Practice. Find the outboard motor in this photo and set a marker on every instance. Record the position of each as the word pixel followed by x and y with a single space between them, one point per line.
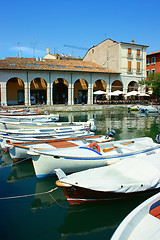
pixel 157 139
pixel 110 133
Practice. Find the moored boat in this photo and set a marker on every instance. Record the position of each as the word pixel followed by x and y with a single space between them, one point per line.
pixel 90 124
pixel 18 150
pixel 142 223
pixel 126 179
pixel 81 157
pixel 29 117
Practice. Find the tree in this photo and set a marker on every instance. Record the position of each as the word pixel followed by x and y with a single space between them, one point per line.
pixel 152 81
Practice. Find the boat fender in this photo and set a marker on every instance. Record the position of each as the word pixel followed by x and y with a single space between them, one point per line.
pixel 94 146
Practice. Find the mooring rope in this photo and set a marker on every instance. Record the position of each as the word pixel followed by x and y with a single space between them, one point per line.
pixel 29 195
pixel 14 163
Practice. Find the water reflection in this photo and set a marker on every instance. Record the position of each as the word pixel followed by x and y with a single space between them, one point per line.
pixel 47 199
pixel 49 215
pixel 21 170
pixel 126 124
pixel 96 219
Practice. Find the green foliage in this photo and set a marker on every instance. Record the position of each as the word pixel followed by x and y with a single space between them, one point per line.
pixel 154 82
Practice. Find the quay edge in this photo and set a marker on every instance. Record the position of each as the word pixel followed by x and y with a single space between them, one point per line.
pixel 68 108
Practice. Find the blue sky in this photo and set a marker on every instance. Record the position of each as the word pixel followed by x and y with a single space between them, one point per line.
pixel 32 26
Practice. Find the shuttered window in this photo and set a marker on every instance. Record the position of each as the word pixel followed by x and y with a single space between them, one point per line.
pixel 138 53
pixel 138 67
pixel 129 66
pixel 129 52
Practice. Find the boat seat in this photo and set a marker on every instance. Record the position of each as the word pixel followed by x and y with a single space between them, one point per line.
pixel 63 144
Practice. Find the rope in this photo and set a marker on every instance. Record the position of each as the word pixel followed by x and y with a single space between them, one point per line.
pixel 12 164
pixel 28 195
pixel 57 202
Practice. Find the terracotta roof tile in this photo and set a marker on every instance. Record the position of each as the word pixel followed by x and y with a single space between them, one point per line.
pixel 52 64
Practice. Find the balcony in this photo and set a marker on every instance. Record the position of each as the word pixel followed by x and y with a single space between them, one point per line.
pixel 139 56
pixel 138 71
pixel 130 71
pixel 130 55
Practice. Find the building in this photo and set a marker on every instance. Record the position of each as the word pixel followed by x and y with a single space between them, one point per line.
pixel 60 79
pixel 153 62
pixel 127 58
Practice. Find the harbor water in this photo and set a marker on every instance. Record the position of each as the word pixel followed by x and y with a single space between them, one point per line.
pixel 35 209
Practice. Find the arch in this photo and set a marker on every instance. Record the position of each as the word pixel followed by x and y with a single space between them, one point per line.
pixel 80 91
pixel 116 85
pixel 38 91
pixel 15 91
pixel 132 86
pixel 99 85
pixel 60 91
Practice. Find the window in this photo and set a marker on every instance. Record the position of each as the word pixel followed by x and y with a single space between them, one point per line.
pixel 28 65
pixel 36 65
pixel 129 53
pixel 147 61
pixel 138 67
pixel 153 71
pixel 92 50
pixel 147 73
pixel 60 65
pixel 129 67
pixel 12 64
pixel 153 60
pixel 51 65
pixel 138 53
pixel 78 66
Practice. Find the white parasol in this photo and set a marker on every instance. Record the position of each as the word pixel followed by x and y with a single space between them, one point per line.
pixel 99 92
pixel 132 93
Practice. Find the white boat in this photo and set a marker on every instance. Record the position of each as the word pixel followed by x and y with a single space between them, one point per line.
pixel 132 177
pixel 142 223
pixel 40 131
pixel 90 124
pixel 18 150
pixel 148 109
pixel 7 140
pixel 27 118
pixel 80 158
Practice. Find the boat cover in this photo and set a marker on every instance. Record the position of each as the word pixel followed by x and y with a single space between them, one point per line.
pixel 130 175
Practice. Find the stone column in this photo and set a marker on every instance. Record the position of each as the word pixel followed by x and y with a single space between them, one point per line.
pixel 27 92
pixel 90 91
pixel 49 91
pixel 3 94
pixel 70 95
pixel 71 92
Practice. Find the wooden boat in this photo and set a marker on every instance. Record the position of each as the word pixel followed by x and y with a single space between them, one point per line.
pixel 22 139
pixel 78 158
pixel 40 132
pixel 134 176
pixel 142 223
pixel 18 150
pixel 90 124
pixel 29 117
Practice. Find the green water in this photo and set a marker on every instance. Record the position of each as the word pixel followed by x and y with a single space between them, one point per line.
pixel 49 216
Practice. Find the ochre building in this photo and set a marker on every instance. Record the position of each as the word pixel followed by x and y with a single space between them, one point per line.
pixel 59 79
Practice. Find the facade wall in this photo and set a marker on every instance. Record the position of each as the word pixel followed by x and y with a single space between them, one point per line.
pixel 113 55
pixel 153 66
pixel 49 77
pixel 105 54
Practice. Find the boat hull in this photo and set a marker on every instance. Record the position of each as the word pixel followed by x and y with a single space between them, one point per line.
pixel 77 195
pixel 44 165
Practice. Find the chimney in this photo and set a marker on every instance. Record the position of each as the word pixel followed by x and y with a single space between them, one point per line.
pixel 132 41
pixel 47 51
